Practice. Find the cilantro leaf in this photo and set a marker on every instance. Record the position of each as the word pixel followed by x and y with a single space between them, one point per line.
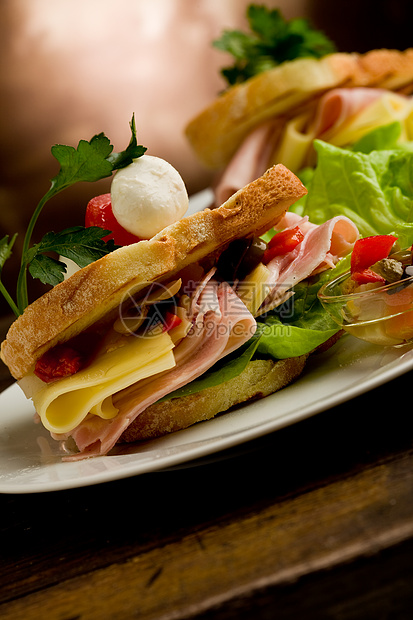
pixel 272 40
pixel 81 245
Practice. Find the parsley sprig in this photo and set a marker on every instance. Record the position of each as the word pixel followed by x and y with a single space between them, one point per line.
pixel 272 40
pixel 90 161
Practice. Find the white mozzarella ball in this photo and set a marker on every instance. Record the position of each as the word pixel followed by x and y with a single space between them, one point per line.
pixel 148 195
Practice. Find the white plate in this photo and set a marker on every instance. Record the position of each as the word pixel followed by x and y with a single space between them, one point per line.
pixel 30 461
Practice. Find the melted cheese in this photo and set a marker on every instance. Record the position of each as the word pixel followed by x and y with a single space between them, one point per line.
pixel 64 404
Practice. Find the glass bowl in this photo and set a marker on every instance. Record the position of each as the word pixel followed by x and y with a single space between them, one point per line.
pixel 381 314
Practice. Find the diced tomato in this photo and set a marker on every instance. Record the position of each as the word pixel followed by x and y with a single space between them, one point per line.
pixel 99 213
pixel 282 242
pixel 170 321
pixel 367 275
pixel 369 250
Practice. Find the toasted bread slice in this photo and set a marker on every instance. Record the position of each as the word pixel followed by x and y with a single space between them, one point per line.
pixel 98 289
pixel 217 131
pixel 259 379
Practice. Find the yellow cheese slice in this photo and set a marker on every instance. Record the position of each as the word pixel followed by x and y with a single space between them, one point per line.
pixel 294 149
pixel 64 404
pixel 408 124
pixel 389 108
pixel 294 145
pixel 255 288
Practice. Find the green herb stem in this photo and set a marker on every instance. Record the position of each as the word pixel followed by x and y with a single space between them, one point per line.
pixel 9 300
pixel 21 290
pixel 91 161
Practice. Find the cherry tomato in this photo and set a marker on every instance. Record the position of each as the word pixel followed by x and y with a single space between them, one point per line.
pixel 283 242
pixel 99 213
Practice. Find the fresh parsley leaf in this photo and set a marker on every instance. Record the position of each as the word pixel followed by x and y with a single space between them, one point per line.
pixel 81 245
pixel 46 269
pixel 91 161
pixel 85 163
pixel 6 249
pixel 133 151
pixel 272 40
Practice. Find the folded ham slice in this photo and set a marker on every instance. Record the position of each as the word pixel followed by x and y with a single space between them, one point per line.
pixel 323 245
pixel 221 323
pixel 252 158
pixel 338 105
pixel 249 162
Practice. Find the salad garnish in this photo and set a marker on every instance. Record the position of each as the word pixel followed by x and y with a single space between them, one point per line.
pixel 91 161
pixel 272 41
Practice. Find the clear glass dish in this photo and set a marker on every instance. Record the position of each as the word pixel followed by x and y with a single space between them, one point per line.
pixel 380 314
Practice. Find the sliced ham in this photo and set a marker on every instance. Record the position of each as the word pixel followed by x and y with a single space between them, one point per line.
pixel 222 323
pixel 323 245
pixel 252 158
pixel 249 162
pixel 340 104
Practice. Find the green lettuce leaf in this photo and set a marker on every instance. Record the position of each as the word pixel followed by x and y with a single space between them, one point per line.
pixel 374 190
pixel 221 372
pixel 281 341
pixel 300 324
pixel 384 138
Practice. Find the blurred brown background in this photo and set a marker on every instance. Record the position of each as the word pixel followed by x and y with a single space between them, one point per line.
pixel 73 68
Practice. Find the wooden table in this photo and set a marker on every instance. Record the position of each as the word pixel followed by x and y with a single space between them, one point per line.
pixel 312 522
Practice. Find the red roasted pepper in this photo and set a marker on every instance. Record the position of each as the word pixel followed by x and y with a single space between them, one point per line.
pixel 367 275
pixel 99 213
pixel 65 360
pixel 61 361
pixel 170 321
pixel 282 242
pixel 367 252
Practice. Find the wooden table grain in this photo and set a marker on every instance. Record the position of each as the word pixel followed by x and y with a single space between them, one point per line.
pixel 314 521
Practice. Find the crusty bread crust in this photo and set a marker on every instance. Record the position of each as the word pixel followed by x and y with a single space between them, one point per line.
pixel 98 289
pixel 383 68
pixel 259 379
pixel 217 131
